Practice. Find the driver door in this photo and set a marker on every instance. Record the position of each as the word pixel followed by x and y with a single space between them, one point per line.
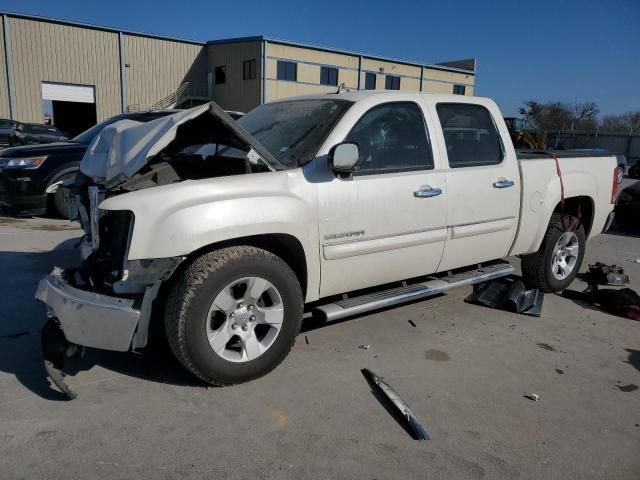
pixel 387 221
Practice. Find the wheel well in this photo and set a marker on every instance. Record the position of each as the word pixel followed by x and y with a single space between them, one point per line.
pixel 582 206
pixel 285 246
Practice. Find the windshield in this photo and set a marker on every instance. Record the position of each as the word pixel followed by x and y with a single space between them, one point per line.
pixel 293 130
pixel 87 136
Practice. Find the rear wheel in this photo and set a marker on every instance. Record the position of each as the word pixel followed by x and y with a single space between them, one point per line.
pixel 234 314
pixel 557 262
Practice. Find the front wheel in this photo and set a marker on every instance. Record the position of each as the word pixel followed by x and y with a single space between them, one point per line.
pixel 233 314
pixel 557 262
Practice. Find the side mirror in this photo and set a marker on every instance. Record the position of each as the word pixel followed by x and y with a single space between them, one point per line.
pixel 344 156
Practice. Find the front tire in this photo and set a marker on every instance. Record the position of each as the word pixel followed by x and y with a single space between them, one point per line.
pixel 233 314
pixel 557 262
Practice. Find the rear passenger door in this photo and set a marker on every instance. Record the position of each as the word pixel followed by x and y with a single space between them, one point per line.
pixel 482 182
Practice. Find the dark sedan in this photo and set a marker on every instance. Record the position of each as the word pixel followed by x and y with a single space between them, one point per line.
pixel 628 207
pixel 29 175
pixel 34 134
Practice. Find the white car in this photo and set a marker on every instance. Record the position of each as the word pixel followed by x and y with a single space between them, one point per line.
pixel 311 200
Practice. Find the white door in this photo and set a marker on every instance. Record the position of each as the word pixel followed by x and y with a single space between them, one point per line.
pixel 68 93
pixel 387 222
pixel 482 185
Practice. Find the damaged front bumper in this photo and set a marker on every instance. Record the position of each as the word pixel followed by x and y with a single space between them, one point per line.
pixel 88 318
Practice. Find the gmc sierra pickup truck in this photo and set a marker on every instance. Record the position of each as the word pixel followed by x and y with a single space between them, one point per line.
pixel 339 203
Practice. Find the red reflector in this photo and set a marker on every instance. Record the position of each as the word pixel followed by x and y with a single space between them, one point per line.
pixel 617 176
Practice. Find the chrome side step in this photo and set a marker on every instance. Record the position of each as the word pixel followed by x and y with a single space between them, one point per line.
pixel 373 301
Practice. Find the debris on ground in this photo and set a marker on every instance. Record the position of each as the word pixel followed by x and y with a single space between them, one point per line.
pixel 364 346
pixel 508 293
pixel 412 424
pixel 602 274
pixel 532 396
pixel 637 260
pixel 623 302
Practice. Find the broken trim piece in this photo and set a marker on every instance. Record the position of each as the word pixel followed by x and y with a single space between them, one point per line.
pixel 417 431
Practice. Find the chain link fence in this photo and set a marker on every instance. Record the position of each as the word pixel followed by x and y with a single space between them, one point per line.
pixel 625 144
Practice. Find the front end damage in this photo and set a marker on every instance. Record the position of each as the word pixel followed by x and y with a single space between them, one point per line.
pixel 106 303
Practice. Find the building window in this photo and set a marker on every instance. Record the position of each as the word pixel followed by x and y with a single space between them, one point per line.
pixel 287 71
pixel 221 75
pixel 328 76
pixel 249 69
pixel 459 89
pixel 391 82
pixel 370 81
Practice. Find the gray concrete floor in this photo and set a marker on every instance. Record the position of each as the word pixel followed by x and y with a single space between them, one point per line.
pixel 463 369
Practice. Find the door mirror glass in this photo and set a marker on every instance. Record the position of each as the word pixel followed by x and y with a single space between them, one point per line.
pixel 344 157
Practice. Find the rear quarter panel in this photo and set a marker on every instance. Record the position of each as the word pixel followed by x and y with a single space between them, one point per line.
pixel 582 176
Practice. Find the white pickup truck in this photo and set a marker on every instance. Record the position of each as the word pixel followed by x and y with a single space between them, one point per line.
pixel 342 202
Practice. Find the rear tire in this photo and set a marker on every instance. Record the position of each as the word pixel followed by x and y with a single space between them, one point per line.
pixel 195 322
pixel 61 199
pixel 554 266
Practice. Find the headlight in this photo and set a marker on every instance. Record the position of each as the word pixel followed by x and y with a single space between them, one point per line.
pixel 26 163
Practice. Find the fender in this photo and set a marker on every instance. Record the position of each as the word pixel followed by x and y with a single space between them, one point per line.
pixel 52 183
pixel 178 219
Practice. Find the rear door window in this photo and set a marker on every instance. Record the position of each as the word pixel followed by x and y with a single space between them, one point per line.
pixel 470 135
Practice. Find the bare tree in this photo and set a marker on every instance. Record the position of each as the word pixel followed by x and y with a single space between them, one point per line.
pixel 559 115
pixel 628 122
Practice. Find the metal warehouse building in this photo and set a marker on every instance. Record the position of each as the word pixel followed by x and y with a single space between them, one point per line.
pixel 74 75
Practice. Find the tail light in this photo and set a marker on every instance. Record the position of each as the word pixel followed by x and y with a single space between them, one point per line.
pixel 618 173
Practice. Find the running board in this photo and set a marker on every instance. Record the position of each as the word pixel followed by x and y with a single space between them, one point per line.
pixel 435 285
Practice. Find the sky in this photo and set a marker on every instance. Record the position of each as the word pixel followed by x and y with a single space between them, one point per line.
pixel 543 50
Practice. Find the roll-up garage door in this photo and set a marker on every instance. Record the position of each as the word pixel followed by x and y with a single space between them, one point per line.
pixel 68 93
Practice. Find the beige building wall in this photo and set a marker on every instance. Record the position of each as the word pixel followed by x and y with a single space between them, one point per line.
pixel 309 63
pixel 50 52
pixel 236 93
pixel 158 67
pixel 4 88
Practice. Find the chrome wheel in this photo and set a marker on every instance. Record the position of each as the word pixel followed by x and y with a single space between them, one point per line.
pixel 565 255
pixel 244 319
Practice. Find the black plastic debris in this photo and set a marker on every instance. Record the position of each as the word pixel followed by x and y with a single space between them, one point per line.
pixel 55 348
pixel 411 423
pixel 508 293
pixel 622 302
pixel 602 274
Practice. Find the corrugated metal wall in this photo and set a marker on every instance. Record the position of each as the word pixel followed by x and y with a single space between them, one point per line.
pixel 158 67
pixel 52 52
pixel 236 93
pixel 4 88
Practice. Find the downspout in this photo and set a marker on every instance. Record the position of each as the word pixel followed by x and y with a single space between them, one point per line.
pixel 123 77
pixel 8 60
pixel 264 72
pixel 359 72
pixel 421 76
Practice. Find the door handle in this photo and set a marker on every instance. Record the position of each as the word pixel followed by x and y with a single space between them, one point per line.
pixel 503 183
pixel 427 192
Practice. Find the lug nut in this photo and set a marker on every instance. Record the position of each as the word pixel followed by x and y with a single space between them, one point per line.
pixel 250 308
pixel 232 314
pixel 252 318
pixel 244 328
pixel 234 326
pixel 240 305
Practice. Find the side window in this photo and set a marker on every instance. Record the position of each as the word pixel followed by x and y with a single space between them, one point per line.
pixel 392 136
pixel 469 134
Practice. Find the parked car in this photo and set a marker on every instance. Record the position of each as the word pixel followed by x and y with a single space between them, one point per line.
pixel 6 129
pixel 35 133
pixel 346 202
pixel 628 207
pixel 30 175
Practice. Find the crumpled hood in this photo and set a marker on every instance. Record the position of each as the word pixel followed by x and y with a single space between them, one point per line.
pixel 124 147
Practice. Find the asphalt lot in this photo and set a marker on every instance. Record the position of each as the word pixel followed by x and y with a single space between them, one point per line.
pixel 463 369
